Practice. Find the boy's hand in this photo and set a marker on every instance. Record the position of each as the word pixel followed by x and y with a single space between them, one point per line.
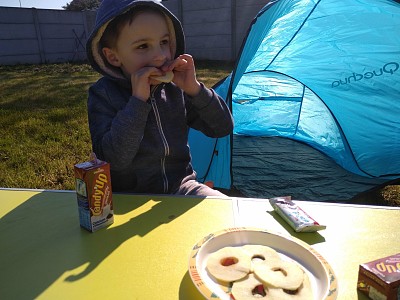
pixel 141 82
pixel 184 74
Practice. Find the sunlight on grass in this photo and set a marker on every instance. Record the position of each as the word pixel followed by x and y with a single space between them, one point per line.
pixel 44 124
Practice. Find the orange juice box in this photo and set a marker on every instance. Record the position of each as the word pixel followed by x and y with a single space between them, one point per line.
pixel 94 194
pixel 380 279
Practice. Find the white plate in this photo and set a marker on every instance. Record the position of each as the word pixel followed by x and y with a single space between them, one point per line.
pixel 322 277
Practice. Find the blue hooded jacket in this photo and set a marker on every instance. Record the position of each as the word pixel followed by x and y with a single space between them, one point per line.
pixel 108 10
pixel 146 143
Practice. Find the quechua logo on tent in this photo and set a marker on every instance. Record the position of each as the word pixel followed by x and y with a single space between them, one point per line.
pixel 388 68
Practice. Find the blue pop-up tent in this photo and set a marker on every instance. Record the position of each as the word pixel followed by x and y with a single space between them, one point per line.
pixel 315 96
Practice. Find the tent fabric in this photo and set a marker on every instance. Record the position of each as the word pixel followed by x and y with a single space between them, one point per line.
pixel 323 73
pixel 276 166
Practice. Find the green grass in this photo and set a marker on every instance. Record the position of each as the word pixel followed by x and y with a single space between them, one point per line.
pixel 44 131
pixel 43 124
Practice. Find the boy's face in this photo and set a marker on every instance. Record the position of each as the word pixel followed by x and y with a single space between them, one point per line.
pixel 143 43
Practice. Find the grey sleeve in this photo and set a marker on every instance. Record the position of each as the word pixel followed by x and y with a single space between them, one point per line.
pixel 208 113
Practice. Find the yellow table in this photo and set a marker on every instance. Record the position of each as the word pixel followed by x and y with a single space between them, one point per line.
pixel 44 254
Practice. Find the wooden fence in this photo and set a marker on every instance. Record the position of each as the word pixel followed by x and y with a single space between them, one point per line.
pixel 214 30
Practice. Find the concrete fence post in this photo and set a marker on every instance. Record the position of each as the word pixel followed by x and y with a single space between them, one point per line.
pixel 233 30
pixel 36 23
pixel 85 28
pixel 85 25
pixel 180 11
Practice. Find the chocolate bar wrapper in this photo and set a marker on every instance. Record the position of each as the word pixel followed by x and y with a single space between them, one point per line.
pixel 294 215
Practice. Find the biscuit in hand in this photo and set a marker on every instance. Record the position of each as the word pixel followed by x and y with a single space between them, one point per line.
pixel 166 78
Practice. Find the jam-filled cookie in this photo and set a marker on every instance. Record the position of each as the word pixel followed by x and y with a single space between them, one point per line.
pixel 229 264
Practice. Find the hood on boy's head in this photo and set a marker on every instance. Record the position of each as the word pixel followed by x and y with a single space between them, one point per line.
pixel 108 10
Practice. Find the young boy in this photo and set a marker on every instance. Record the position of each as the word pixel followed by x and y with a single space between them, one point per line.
pixel 137 123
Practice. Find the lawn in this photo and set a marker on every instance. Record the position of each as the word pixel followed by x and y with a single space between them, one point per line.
pixel 44 130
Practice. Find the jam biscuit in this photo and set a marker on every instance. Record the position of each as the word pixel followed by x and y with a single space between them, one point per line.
pixel 304 292
pixel 250 288
pixel 259 253
pixel 229 264
pixel 167 77
pixel 279 273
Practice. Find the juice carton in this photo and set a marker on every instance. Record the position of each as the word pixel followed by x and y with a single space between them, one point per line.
pixel 380 279
pixel 94 194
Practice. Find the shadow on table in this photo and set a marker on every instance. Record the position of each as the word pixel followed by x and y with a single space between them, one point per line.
pixel 41 239
pixel 310 238
pixel 187 289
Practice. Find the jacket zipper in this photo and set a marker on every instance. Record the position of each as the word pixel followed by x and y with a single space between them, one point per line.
pixel 163 138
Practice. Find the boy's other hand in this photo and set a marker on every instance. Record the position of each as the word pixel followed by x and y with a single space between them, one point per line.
pixel 184 74
pixel 141 82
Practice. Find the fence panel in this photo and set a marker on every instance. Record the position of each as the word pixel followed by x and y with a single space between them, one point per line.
pixel 208 31
pixel 214 30
pixel 34 36
pixel 246 11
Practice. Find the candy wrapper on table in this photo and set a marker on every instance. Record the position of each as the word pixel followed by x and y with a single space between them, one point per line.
pixel 380 279
pixel 294 215
pixel 94 194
